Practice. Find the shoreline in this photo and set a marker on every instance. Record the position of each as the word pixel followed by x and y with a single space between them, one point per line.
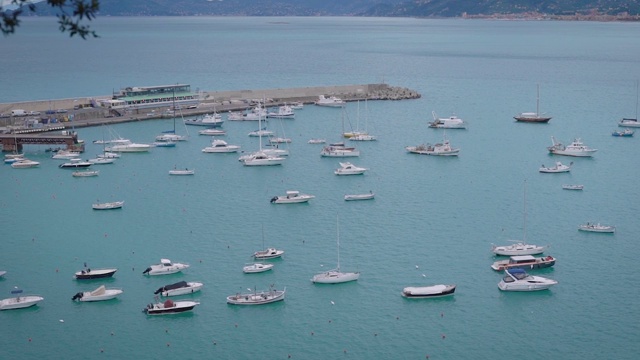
pixel 77 112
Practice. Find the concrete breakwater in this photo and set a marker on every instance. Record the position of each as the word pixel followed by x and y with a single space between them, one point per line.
pixel 79 112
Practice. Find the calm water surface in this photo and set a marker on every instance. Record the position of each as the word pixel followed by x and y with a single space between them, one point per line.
pixel 433 219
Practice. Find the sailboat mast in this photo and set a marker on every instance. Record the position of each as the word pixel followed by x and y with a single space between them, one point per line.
pixel 338 239
pixel 538 101
pixel 524 211
pixel 637 96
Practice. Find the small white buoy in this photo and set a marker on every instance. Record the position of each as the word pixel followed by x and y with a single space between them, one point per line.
pixel 61 320
pixel 423 275
pixel 417 267
pixel 332 303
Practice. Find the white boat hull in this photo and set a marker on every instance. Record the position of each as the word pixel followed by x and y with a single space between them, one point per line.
pixel 335 277
pixel 193 287
pixel 108 295
pixel 355 197
pixel 257 298
pixel 256 268
pixel 20 302
pixel 423 292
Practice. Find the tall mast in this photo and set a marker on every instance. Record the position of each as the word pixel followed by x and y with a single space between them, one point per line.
pixel 524 211
pixel 338 241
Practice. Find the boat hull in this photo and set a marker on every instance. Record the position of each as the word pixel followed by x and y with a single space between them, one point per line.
pixel 20 302
pixel 356 197
pixel 258 298
pixel 428 292
pixel 177 308
pixel 95 274
pixel 108 295
pixel 193 287
pixel 335 277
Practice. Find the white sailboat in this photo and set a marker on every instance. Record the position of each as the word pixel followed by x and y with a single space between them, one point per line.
pixel 520 247
pixel 533 117
pixel 629 122
pixel 170 135
pixel 362 135
pixel 260 158
pixel 335 276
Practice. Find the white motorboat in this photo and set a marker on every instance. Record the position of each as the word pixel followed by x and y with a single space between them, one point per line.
pixel 235 116
pixel 519 280
pixel 363 137
pixel 597 227
pixel 291 197
pixel 108 205
pixel 212 132
pixel 261 133
pixel 439 149
pixel 102 160
pixel 66 155
pixel 86 173
pixel 256 268
pixel 347 168
pixel 165 267
pixel 572 187
pixel 330 101
pixel 179 288
pixel 270 253
pixel 128 146
pixel 557 168
pixel 221 146
pixel 19 302
pixel 452 122
pixel 524 262
pixel 90 274
pixel 210 120
pixel 2 272
pixel 339 150
pixel 182 172
pixel 317 141
pixel 297 105
pixel 283 112
pixel 24 164
pixel 623 133
pixel 279 140
pixel 576 148
pixel 170 307
pixel 428 292
pixel 354 197
pixel 74 163
pixel 99 294
pixel 109 155
pixel 257 297
pixel 533 117
pixel 335 276
pixel 518 248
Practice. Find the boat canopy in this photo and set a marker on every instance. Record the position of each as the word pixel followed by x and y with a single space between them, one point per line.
pixel 516 271
pixel 523 258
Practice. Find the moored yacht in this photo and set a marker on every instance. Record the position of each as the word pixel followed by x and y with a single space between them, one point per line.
pixel 519 280
pixel 576 148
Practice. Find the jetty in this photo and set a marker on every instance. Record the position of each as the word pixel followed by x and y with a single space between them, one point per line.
pixel 46 116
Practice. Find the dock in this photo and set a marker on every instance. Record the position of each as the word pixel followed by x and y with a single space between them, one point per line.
pixel 63 114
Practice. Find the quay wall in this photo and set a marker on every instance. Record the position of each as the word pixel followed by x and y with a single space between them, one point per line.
pixel 220 101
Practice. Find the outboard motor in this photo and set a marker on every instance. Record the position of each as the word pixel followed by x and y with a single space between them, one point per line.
pixel 77 296
pixel 146 271
pixel 273 199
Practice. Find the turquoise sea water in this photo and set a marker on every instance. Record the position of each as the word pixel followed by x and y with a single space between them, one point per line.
pixel 433 219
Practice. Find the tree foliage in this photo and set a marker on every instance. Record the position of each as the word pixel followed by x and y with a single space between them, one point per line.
pixel 70 13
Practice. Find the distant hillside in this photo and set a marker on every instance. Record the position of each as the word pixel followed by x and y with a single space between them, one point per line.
pixel 416 8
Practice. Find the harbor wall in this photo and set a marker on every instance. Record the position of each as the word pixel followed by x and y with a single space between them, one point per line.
pixel 56 112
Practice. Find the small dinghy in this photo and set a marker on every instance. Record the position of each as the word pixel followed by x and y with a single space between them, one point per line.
pixel 428 291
